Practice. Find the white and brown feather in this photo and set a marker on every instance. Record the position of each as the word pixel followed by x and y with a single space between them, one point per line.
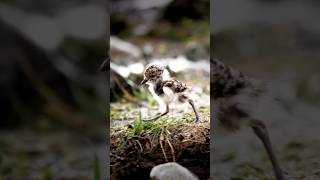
pixel 232 93
pixel 175 85
pixel 166 90
pixel 153 72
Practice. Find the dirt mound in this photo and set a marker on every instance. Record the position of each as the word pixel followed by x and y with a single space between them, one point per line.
pixel 134 154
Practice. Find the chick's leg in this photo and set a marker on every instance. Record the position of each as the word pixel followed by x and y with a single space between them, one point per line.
pixel 158 116
pixel 261 132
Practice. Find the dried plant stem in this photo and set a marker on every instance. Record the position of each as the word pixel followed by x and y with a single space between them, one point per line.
pixel 172 150
pixel 161 138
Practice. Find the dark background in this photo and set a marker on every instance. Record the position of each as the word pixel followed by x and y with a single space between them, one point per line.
pixel 276 42
pixel 53 96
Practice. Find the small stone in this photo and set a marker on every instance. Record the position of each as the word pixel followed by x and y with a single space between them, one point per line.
pixel 171 171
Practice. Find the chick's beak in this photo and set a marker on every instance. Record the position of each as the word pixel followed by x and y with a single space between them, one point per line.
pixel 143 81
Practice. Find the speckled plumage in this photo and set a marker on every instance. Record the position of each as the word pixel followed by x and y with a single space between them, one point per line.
pixel 231 92
pixel 227 84
pixel 164 90
pixel 175 85
pixel 226 81
pixel 153 72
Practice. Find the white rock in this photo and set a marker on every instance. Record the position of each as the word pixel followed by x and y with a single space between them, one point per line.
pixel 171 171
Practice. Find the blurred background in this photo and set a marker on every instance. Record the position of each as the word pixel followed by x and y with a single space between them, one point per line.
pixel 276 42
pixel 53 96
pixel 144 32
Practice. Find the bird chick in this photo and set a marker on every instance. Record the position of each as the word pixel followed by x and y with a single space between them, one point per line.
pixel 232 92
pixel 165 90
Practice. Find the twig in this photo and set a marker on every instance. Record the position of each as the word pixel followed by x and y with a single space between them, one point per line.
pixel 140 145
pixel 172 150
pixel 161 138
pixel 168 132
pixel 116 156
pixel 189 140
